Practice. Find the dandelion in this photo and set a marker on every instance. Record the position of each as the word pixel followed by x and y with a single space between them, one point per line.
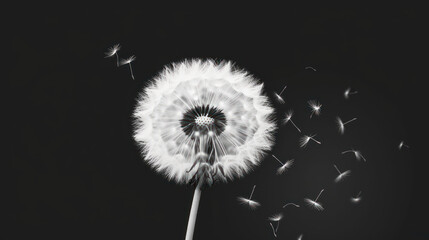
pixel 285 166
pixel 288 118
pixel 201 122
pixel 341 124
pixel 275 218
pixel 113 51
pixel 312 68
pixel 356 199
pixel 402 144
pixel 303 141
pixel 293 204
pixel 348 92
pixel 341 175
pixel 315 107
pixel 279 97
pixel 358 154
pixel 251 203
pixel 129 61
pixel 313 203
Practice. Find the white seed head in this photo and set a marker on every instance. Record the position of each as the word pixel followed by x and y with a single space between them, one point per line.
pixel 214 108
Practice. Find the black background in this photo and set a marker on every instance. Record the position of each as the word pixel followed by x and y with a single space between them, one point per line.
pixel 76 168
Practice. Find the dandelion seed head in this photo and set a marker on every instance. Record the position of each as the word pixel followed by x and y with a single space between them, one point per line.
pixel 347 93
pixel 278 98
pixel 128 60
pixel 112 50
pixel 343 175
pixel 340 125
pixel 285 166
pixel 315 107
pixel 313 204
pixel 250 203
pixel 215 109
pixel 303 141
pixel 402 144
pixel 355 199
pixel 288 116
pixel 276 217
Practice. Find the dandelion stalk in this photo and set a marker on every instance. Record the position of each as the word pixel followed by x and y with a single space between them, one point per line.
pixel 193 214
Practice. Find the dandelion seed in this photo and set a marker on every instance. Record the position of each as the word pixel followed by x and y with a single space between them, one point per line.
pixel 251 203
pixel 279 97
pixel 303 141
pixel 312 68
pixel 348 92
pixel 341 124
pixel 194 124
pixel 285 166
pixel 300 237
pixel 313 203
pixel 113 51
pixel 402 144
pixel 288 118
pixel 358 154
pixel 341 175
pixel 276 218
pixel 129 61
pixel 293 204
pixel 357 198
pixel 315 107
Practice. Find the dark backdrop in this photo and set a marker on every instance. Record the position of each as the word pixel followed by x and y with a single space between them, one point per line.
pixel 75 166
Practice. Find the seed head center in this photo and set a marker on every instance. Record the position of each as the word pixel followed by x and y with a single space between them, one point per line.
pixel 204 121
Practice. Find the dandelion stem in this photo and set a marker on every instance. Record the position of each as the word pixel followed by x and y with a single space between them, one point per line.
pixel 335 166
pixel 299 130
pixel 193 213
pixel 319 195
pixel 277 159
pixel 349 121
pixel 251 194
pixel 131 69
pixel 283 90
pixel 315 140
pixel 117 59
pixel 274 232
pixel 278 224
